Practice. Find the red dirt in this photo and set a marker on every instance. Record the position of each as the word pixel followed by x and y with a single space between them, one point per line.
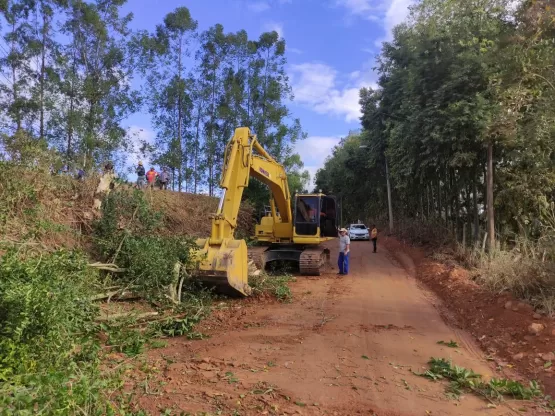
pixel 345 346
pixel 500 327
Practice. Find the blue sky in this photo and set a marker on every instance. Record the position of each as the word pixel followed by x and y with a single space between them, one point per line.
pixel 331 49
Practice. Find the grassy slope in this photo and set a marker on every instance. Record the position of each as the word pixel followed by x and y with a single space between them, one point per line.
pixel 56 211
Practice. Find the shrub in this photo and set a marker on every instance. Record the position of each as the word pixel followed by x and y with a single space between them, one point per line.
pixel 49 353
pixel 276 286
pixel 44 302
pixel 124 213
pixel 511 271
pixel 126 235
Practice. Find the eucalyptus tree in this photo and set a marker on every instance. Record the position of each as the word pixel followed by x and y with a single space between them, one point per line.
pixel 96 73
pixel 165 60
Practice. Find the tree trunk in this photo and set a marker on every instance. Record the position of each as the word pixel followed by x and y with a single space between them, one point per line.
pixel 45 24
pixel 14 83
pixel 439 208
pixel 389 203
pixel 421 205
pixel 491 223
pixel 457 211
pixel 71 117
pixel 179 121
pixel 428 200
pixel 211 136
pixel 262 132
pixel 197 146
pixel 447 200
pixel 476 213
pixel 90 143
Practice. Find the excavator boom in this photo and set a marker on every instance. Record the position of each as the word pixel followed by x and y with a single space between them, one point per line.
pixel 223 260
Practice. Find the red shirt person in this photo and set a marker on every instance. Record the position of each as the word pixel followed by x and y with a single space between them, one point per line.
pixel 151 177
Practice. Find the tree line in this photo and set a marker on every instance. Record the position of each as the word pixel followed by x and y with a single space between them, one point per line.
pixel 461 124
pixel 72 72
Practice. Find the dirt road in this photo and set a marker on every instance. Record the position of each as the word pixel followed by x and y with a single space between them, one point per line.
pixel 345 346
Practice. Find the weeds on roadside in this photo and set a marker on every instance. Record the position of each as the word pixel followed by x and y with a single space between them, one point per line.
pixel 464 380
pixel 277 286
pixel 450 344
pixel 523 275
pixel 49 351
pixel 175 327
pixel 523 264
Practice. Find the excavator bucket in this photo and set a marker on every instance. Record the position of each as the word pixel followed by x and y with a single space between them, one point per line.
pixel 223 266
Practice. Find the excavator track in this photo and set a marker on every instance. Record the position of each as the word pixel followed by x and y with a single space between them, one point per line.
pixel 314 261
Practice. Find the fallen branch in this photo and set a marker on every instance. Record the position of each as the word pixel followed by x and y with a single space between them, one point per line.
pixel 109 267
pixel 184 275
pixel 153 321
pixel 123 295
pixel 115 316
pixel 124 236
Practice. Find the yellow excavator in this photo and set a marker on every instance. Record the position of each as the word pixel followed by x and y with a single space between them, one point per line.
pixel 222 261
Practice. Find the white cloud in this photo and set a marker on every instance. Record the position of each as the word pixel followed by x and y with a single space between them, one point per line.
pixel 274 26
pixel 258 6
pixel 389 12
pixel 313 151
pixel 368 9
pixel 319 87
pixel 397 13
pixel 294 50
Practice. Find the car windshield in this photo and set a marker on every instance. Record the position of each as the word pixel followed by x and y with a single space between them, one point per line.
pixel 358 227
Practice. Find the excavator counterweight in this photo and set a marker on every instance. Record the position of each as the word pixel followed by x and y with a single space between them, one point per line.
pixel 222 261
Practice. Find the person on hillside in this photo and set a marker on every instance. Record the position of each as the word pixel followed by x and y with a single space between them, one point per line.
pixel 141 178
pixel 344 248
pixel 374 237
pixel 151 177
pixel 164 178
pixel 105 185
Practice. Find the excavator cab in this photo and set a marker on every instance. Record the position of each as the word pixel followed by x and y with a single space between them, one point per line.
pixel 315 217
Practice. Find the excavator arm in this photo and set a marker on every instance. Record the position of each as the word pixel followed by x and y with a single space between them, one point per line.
pixel 222 260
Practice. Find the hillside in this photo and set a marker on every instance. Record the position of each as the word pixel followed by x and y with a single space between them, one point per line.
pixel 54 211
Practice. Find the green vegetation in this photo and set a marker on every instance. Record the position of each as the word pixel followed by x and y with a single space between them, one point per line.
pixel 463 380
pixel 49 351
pixel 52 355
pixel 276 286
pixel 457 77
pixel 126 235
pixel 450 344
pixel 95 71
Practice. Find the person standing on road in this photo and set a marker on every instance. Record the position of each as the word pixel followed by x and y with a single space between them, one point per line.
pixel 164 178
pixel 374 237
pixel 140 175
pixel 344 248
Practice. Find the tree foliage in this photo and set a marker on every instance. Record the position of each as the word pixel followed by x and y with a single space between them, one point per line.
pixel 73 72
pixel 456 78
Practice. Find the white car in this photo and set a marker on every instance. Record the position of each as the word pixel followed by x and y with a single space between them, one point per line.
pixel 359 232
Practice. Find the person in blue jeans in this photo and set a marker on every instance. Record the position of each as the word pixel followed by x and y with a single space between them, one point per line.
pixel 344 248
